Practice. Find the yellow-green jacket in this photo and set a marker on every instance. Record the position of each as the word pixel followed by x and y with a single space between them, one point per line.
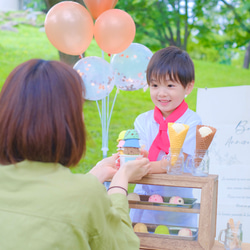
pixel 43 206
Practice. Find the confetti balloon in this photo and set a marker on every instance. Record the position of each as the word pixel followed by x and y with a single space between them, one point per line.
pixel 130 67
pixel 97 75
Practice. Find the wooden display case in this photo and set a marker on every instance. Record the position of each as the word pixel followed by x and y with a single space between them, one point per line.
pixel 207 210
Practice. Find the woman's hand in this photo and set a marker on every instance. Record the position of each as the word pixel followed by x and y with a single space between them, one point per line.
pixel 135 170
pixel 106 168
pixel 128 172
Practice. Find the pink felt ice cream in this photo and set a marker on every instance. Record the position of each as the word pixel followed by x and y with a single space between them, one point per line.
pixel 120 144
pixel 176 200
pixel 185 232
pixel 155 198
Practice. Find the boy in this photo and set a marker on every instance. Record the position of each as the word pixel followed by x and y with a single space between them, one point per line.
pixel 170 76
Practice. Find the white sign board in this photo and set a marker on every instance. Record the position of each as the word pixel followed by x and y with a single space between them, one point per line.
pixel 228 110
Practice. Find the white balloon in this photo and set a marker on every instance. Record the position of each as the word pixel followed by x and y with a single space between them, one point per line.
pixel 97 75
pixel 130 67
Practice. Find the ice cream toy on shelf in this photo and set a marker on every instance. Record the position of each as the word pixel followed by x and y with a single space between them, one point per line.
pixel 176 200
pixel 161 229
pixel 131 146
pixel 133 197
pixel 155 198
pixel 185 232
pixel 121 141
pixel 140 228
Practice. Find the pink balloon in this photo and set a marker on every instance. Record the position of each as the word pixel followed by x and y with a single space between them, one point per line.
pixel 114 31
pixel 69 27
pixel 97 7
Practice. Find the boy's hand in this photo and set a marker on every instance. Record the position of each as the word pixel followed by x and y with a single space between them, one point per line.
pixel 144 152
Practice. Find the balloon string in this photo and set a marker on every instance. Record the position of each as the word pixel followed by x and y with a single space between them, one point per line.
pixel 109 117
pixel 111 111
pixel 108 108
pixel 104 124
pixel 104 129
pixel 105 117
pixel 99 110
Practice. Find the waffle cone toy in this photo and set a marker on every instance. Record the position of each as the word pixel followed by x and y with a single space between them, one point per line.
pixel 204 137
pixel 177 134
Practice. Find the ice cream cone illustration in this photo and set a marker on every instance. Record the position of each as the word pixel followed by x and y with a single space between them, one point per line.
pixel 177 134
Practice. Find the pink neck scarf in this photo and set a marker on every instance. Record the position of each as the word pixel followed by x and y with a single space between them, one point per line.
pixel 161 141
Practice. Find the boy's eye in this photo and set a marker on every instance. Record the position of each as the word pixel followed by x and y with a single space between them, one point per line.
pixel 154 85
pixel 170 85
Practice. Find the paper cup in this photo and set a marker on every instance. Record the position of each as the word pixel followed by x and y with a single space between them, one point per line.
pixel 126 158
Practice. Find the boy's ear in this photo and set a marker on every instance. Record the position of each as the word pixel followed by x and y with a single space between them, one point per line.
pixel 189 88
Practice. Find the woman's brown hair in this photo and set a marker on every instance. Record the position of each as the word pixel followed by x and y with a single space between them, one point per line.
pixel 41 114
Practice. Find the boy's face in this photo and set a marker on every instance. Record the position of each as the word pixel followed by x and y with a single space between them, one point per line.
pixel 167 95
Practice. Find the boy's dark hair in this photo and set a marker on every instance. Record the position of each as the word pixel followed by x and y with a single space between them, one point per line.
pixel 41 114
pixel 173 62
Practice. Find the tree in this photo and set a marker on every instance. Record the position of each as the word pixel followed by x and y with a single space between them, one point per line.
pixel 238 26
pixel 161 23
pixel 229 29
pixel 215 27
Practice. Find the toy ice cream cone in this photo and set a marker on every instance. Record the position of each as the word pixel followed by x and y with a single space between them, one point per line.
pixel 177 135
pixel 121 135
pixel 121 142
pixel 120 146
pixel 204 137
pixel 131 151
pixel 131 145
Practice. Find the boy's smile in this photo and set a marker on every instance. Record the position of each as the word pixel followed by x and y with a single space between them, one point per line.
pixel 167 95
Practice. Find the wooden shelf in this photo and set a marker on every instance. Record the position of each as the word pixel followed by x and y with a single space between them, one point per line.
pixel 195 209
pixel 207 210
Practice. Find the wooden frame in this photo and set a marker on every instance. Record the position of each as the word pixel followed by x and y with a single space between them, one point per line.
pixel 207 210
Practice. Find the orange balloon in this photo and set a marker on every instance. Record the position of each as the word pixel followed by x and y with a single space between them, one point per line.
pixel 69 27
pixel 97 7
pixel 114 3
pixel 114 31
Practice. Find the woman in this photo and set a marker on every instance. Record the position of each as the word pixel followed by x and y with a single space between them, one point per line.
pixel 42 133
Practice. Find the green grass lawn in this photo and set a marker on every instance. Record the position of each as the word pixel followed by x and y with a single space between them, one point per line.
pixel 29 42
